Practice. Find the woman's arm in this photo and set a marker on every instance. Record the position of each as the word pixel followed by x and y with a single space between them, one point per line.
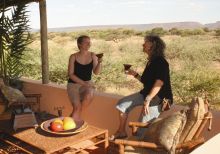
pixel 96 64
pixel 71 74
pixel 155 89
pixel 134 73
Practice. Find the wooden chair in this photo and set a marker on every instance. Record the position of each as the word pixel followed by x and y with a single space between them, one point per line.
pixel 15 97
pixel 186 146
pixel 32 101
pixel 24 120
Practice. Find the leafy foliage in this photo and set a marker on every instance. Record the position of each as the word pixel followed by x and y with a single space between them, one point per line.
pixel 14 42
pixel 4 40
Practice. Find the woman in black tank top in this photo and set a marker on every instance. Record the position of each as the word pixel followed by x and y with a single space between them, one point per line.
pixel 80 69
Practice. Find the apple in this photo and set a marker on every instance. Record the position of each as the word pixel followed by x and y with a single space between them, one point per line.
pixel 56 126
pixel 68 123
pixel 58 120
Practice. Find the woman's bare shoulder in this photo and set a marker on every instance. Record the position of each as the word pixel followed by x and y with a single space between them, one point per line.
pixel 73 56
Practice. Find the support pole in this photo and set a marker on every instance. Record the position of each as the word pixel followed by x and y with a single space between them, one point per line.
pixel 44 41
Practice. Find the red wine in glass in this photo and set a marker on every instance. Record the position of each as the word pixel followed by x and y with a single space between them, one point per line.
pixel 127 66
pixel 100 55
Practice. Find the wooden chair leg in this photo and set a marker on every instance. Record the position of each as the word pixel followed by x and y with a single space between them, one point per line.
pixel 134 130
pixel 106 143
pixel 121 149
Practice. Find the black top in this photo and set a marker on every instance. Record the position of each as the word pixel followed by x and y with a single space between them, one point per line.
pixel 84 72
pixel 158 68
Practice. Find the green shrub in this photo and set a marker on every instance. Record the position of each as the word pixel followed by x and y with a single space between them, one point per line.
pixel 158 31
pixel 217 32
pixel 206 29
pixel 175 31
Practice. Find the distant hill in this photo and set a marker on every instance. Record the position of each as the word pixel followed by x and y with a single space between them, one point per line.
pixel 141 27
pixel 213 25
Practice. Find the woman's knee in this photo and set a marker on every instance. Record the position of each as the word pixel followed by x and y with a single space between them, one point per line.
pixel 122 107
pixel 88 96
pixel 120 102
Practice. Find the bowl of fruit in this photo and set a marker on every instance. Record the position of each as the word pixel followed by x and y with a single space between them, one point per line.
pixel 63 126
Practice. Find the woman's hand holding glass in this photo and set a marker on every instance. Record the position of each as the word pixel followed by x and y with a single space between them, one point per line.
pixel 99 56
pixel 99 60
pixel 130 72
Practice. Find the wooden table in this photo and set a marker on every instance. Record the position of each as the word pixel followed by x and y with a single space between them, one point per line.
pixel 63 144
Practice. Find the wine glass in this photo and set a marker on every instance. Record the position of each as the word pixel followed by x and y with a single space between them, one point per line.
pixel 127 67
pixel 59 110
pixel 99 55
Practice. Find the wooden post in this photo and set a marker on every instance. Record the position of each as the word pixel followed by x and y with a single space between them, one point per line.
pixel 44 43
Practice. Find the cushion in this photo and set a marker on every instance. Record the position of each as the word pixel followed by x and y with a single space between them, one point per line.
pixel 12 95
pixel 195 116
pixel 166 132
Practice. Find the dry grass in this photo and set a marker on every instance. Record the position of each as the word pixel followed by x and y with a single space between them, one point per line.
pixel 192 61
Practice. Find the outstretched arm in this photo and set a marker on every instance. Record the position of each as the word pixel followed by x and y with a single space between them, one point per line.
pixel 134 73
pixel 96 64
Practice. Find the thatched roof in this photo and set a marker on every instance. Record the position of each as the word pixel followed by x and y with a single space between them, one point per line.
pixel 8 3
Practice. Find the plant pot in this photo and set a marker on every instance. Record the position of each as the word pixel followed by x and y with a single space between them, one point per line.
pixel 2 108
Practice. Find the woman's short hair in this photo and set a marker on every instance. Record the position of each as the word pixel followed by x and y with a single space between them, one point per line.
pixel 80 39
pixel 158 46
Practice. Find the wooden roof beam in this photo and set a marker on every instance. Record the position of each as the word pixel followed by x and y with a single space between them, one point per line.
pixel 9 3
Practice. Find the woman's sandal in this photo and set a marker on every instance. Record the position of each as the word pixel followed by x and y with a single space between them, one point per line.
pixel 117 136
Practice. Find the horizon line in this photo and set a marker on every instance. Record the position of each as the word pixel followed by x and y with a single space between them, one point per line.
pixel 129 24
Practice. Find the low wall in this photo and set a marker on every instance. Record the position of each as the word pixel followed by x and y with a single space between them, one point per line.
pixel 101 112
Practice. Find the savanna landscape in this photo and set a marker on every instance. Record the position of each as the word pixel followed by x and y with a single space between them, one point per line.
pixel 193 55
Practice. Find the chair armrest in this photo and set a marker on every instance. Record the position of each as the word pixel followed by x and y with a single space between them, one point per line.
pixel 138 124
pixel 122 143
pixel 138 144
pixel 135 125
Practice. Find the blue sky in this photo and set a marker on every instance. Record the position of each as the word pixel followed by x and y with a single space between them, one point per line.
pixel 66 13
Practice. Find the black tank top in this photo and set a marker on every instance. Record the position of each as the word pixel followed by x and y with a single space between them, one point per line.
pixel 84 72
